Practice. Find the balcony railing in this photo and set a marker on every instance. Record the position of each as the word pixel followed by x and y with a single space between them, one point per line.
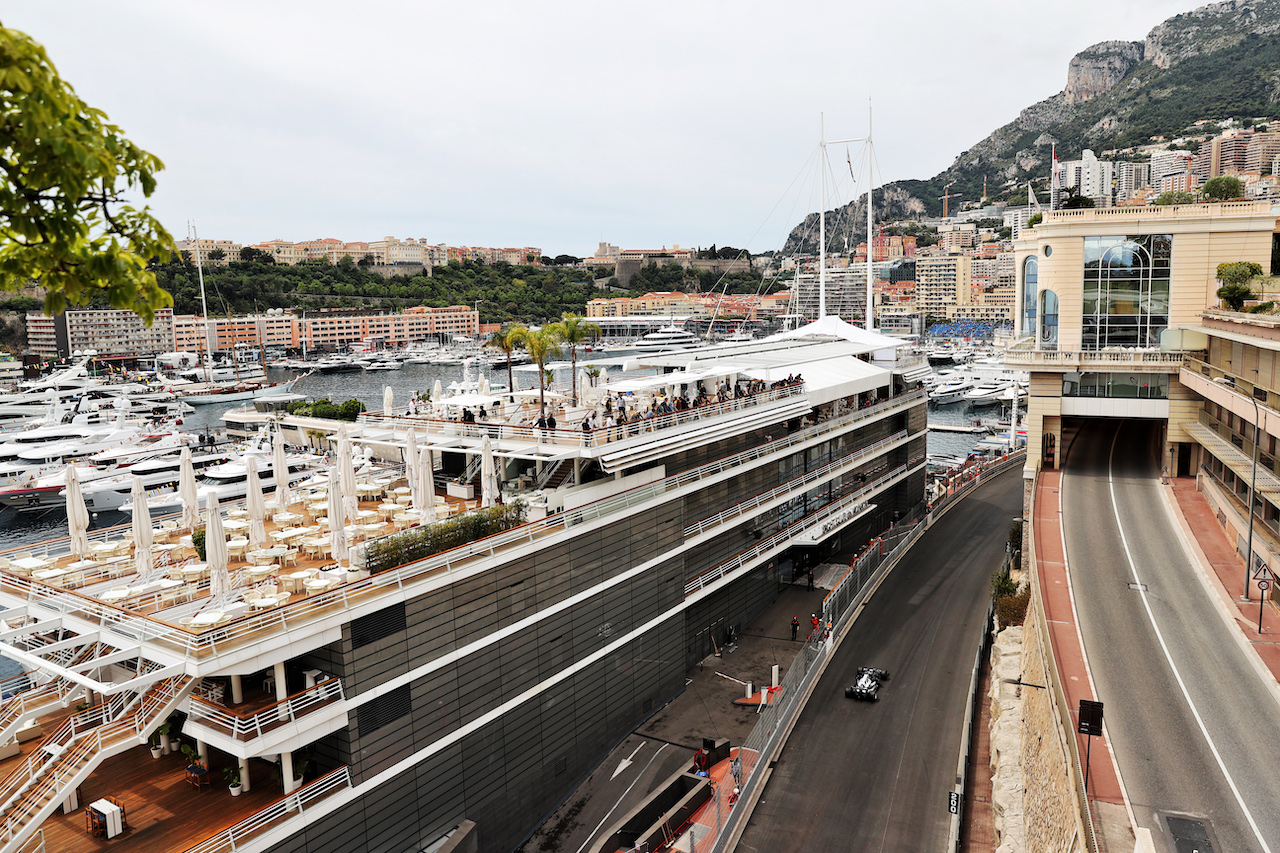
pixel 246 727
pixel 576 437
pixel 292 805
pixel 1138 359
pixel 752 555
pixel 135 627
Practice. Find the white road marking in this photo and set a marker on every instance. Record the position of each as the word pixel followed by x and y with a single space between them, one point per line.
pixel 1195 712
pixel 626 762
pixel 620 799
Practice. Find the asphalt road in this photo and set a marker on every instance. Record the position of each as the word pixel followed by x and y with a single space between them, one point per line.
pixel 875 777
pixel 1167 763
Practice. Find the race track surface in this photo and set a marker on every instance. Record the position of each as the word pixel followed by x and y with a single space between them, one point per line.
pixel 875 776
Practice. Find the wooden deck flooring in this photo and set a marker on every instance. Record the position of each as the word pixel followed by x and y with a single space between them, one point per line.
pixel 164 812
pixel 197 590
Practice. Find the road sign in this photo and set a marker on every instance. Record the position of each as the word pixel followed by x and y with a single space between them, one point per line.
pixel 1090 718
pixel 1263 571
pixel 953 802
pixel 1264 585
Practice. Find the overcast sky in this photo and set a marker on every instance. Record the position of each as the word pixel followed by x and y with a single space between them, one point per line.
pixel 553 124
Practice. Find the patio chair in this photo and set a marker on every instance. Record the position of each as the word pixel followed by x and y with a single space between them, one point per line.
pixel 197 775
pixel 124 814
pixel 95 823
pixel 290 556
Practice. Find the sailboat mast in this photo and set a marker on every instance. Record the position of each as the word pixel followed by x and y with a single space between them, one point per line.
pixel 822 219
pixel 204 305
pixel 870 312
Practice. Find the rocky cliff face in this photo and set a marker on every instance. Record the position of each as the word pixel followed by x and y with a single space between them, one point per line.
pixel 1098 69
pixel 1209 29
pixel 1106 83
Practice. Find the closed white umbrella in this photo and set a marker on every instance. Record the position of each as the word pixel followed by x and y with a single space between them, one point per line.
pixel 388 398
pixel 77 514
pixel 488 474
pixel 141 528
pixel 337 536
pixel 187 491
pixel 426 500
pixel 484 385
pixel 215 548
pixel 280 469
pixel 255 504
pixel 437 391
pixel 411 462
pixel 584 382
pixel 347 477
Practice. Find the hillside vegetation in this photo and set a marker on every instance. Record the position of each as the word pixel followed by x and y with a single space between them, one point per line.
pixel 1217 62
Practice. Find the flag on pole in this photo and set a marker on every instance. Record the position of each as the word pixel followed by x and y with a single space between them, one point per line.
pixel 1055 186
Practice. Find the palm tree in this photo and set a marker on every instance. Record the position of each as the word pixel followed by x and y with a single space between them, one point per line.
pixel 508 341
pixel 573 330
pixel 540 345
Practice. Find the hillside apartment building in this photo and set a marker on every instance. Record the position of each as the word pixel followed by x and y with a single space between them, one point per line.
pixel 1117 319
pixel 122 333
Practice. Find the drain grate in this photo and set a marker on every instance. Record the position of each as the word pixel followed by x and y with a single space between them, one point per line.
pixel 1141 586
pixel 1189 836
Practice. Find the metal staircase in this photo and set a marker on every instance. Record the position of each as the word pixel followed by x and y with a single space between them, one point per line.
pixel 66 758
pixel 42 698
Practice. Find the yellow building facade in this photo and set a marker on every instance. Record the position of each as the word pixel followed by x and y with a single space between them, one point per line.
pixel 1109 306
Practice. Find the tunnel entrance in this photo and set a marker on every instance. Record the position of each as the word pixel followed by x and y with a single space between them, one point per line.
pixel 1086 442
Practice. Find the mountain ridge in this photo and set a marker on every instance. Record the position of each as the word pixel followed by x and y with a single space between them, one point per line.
pixel 1217 61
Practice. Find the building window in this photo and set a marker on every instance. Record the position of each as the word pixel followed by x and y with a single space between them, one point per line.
pixel 1030 286
pixel 1154 386
pixel 1048 320
pixel 1126 290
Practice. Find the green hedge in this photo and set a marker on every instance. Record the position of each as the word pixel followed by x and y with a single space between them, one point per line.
pixel 418 543
pixel 326 408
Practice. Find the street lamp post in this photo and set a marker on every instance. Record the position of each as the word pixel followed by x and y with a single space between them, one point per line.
pixel 1253 481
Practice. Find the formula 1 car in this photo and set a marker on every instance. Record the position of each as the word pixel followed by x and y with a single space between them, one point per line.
pixel 868 684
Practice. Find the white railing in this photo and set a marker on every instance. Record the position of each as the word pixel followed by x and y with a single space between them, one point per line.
pixel 752 554
pixel 137 628
pixel 249 726
pixel 576 437
pixel 743 507
pixel 1124 358
pixel 69 754
pixel 292 805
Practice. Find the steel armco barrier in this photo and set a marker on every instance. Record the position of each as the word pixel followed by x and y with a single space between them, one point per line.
pixel 762 745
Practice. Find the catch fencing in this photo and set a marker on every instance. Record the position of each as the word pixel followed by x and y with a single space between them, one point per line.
pixel 764 744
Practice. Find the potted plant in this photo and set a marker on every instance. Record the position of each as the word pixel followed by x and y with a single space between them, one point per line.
pixel 232 775
pixel 197 542
pixel 157 749
pixel 162 738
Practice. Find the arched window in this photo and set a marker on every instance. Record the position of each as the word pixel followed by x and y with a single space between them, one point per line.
pixel 1126 290
pixel 1030 286
pixel 1048 320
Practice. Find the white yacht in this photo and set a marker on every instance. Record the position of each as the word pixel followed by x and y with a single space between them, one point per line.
pixel 34 453
pixel 105 481
pixel 952 391
pixel 987 392
pixel 666 339
pixel 230 478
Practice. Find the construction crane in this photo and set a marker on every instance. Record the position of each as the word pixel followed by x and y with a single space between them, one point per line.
pixel 946 196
